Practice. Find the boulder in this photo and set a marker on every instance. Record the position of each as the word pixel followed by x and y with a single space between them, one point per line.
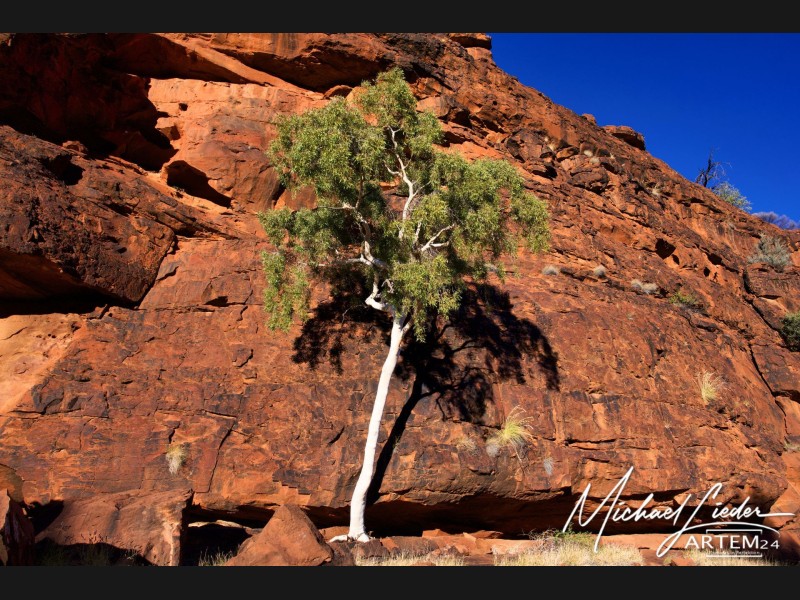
pixel 148 524
pixel 288 539
pixel 627 135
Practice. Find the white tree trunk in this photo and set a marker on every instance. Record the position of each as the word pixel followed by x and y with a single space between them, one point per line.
pixel 359 500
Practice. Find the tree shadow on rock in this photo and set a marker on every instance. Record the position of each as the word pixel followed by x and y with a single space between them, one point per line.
pixel 483 343
pixel 343 319
pixel 461 359
pixel 457 365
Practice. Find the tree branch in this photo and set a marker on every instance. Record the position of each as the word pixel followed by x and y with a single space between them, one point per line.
pixel 373 299
pixel 345 261
pixel 430 242
pixel 407 325
pixel 361 222
pixel 416 233
pixel 375 262
pixel 403 174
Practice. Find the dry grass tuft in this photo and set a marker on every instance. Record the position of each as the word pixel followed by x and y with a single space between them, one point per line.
pixel 514 433
pixel 711 386
pixel 576 550
pixel 466 444
pixel 551 270
pixel 176 456
pixel 791 446
pixel 407 559
pixel 215 560
pixel 645 288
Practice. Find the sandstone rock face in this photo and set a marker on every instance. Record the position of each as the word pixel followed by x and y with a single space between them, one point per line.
pixel 143 206
pixel 75 226
pixel 150 526
pixel 29 346
pixel 288 539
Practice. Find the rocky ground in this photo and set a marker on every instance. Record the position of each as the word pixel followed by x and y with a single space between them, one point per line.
pixel 142 396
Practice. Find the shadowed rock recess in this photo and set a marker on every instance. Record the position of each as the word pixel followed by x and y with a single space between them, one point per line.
pixel 136 364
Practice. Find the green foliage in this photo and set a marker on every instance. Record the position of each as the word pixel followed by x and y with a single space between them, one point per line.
pixel 584 538
pixel 94 555
pixel 791 330
pixel 91 552
pixel 687 299
pixel 773 251
pixel 427 286
pixel 534 217
pixel 732 195
pixel 51 554
pixel 287 291
pixel 333 149
pixel 411 222
pixel 393 106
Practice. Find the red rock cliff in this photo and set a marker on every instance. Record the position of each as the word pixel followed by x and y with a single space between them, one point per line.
pixel 133 167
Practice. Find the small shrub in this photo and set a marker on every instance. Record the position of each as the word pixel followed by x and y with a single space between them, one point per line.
pixel 176 456
pixel 599 271
pixel 515 433
pixel 681 298
pixel 711 386
pixel 645 288
pixel 551 270
pixel 547 463
pixel 791 330
pixel 772 251
pixel 551 536
pixel 732 195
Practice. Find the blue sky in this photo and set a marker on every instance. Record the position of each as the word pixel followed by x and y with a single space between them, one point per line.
pixel 686 93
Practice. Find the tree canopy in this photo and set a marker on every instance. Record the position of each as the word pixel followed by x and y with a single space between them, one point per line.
pixel 414 222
